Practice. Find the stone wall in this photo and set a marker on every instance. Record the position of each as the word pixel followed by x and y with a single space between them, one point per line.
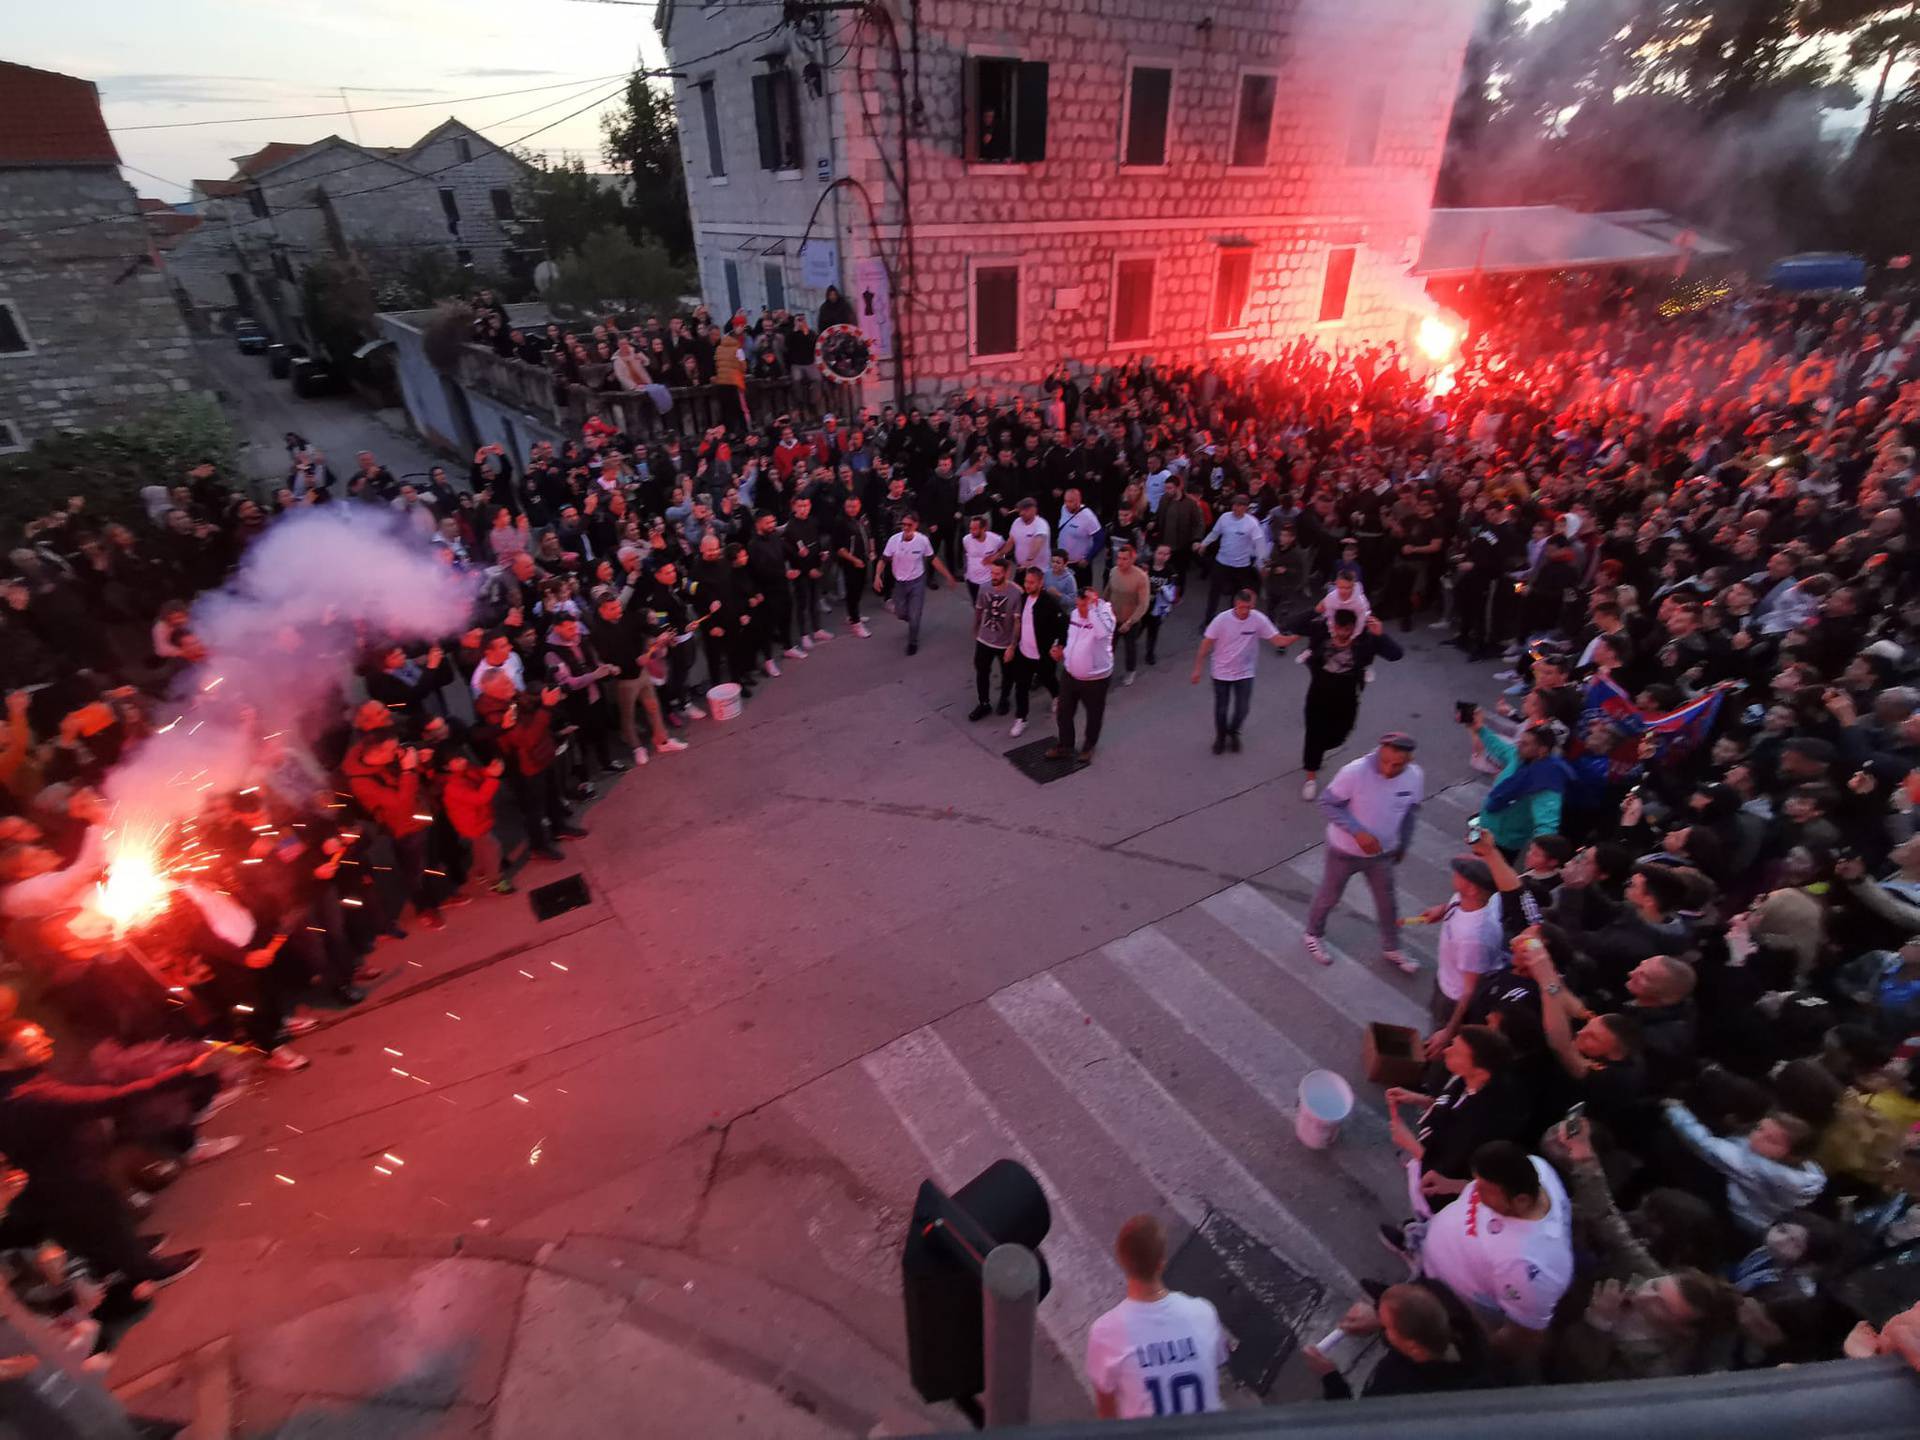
pixel 1065 218
pixel 107 340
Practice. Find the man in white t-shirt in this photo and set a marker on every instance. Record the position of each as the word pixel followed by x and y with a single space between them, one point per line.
pixel 1028 538
pixel 1371 807
pixel 1505 1247
pixel 979 545
pixel 1233 639
pixel 1473 943
pixel 1158 1352
pixel 908 554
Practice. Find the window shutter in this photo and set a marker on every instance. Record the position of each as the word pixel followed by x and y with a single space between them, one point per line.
pixel 969 109
pixel 1030 112
pixel 996 326
pixel 1149 100
pixel 1339 279
pixel 765 122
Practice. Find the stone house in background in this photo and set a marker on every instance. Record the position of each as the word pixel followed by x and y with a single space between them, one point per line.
pixel 1079 180
pixel 286 205
pixel 89 332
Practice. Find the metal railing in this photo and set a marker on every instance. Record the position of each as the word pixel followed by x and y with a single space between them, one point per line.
pixel 696 408
pixel 1853 1398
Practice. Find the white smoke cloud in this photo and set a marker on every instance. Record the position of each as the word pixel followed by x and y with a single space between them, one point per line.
pixel 271 666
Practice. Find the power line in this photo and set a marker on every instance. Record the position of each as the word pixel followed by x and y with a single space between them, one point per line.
pixel 366 109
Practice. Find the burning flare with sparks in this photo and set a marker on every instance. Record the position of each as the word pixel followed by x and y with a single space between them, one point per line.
pixel 137 881
pixel 1437 340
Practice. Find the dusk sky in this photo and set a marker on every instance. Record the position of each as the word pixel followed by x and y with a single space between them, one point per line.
pixel 222 60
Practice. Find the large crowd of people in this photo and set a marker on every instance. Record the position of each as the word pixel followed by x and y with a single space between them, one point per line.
pixel 1690 914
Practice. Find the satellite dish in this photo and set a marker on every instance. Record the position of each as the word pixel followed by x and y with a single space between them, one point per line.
pixel 844 352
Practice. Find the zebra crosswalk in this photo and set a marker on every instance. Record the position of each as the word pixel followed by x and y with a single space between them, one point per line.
pixel 1162 1071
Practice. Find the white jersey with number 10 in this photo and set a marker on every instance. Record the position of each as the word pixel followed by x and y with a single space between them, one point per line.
pixel 1159 1357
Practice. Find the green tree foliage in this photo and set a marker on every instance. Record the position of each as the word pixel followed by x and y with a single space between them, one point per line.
pixel 1714 109
pixel 563 204
pixel 339 302
pixel 611 271
pixel 641 140
pixel 108 467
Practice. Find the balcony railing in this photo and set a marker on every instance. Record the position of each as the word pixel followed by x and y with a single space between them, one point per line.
pixel 696 408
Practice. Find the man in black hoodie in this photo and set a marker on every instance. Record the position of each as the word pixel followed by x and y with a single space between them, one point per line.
pixel 767 564
pixel 719 597
pixel 806 566
pixel 1433 1344
pixel 621 636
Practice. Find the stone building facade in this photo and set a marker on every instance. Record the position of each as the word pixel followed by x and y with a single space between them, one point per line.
pixel 89 331
pixel 1078 180
pixel 452 191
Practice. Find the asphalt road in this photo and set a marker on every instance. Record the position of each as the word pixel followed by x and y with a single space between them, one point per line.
pixel 841 945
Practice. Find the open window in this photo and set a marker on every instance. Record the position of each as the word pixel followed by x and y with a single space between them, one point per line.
pixel 1005 110
pixel 710 122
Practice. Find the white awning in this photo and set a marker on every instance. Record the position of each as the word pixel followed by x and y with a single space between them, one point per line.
pixel 1506 240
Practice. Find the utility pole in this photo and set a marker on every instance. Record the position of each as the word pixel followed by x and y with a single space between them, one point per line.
pixel 353 122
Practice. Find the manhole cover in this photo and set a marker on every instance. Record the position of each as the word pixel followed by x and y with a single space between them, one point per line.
pixel 559 897
pixel 1263 1301
pixel 1031 761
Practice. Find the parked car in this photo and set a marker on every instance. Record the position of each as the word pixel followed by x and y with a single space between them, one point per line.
pixel 250 338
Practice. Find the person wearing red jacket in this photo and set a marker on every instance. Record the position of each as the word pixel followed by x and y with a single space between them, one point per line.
pixel 466 795
pixel 790 452
pixel 384 779
pixel 518 726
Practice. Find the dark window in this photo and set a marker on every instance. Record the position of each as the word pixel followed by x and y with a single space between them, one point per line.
pixel 1230 284
pixel 502 204
pixel 1363 134
pixel 1006 110
pixel 996 310
pixel 463 255
pixel 450 207
pixel 282 266
pixel 257 201
pixel 464 149
pixel 776 287
pixel 10 437
pixel 1132 301
pixel 1253 120
pixel 241 298
pixel 13 335
pixel 710 116
pixel 1149 100
pixel 776 115
pixel 733 287
pixel 1333 290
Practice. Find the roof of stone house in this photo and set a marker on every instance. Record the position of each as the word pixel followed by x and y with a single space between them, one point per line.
pixel 220 189
pixel 47 118
pixel 274 152
pixel 454 122
pixel 168 227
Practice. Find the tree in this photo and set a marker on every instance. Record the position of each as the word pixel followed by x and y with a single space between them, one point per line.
pixel 563 205
pixel 338 296
pixel 612 271
pixel 109 466
pixel 1712 109
pixel 642 142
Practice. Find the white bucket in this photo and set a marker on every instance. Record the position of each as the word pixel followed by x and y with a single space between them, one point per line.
pixel 723 701
pixel 1325 1101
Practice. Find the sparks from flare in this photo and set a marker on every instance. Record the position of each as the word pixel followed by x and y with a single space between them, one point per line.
pixel 138 877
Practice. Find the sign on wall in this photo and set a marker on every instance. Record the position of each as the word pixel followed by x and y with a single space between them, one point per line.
pixel 819 264
pixel 873 305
